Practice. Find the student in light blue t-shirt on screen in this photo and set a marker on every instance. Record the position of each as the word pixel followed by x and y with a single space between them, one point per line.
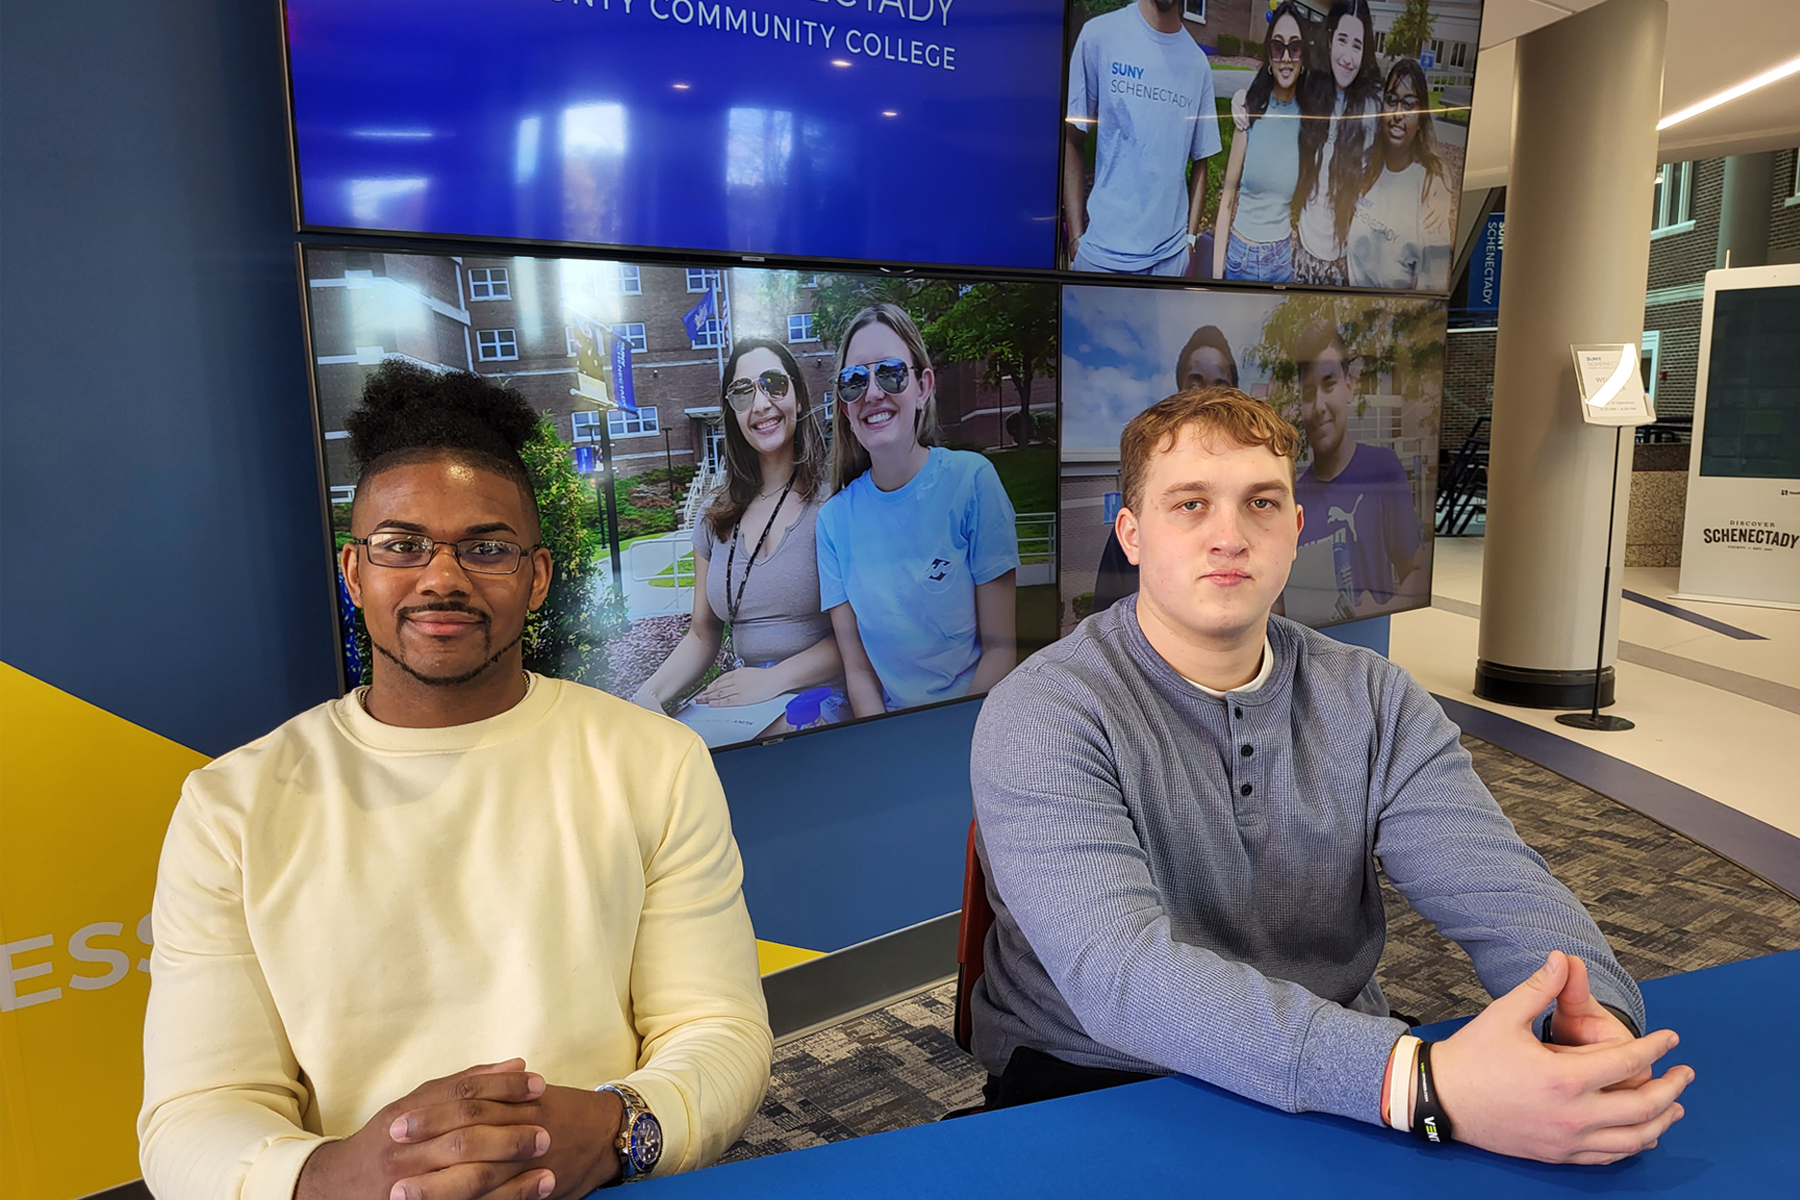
pixel 1142 86
pixel 918 550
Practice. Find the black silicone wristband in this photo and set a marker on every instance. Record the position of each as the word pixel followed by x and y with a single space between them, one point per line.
pixel 1429 1122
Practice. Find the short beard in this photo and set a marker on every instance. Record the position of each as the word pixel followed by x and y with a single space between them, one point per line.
pixel 448 680
pixel 1163 6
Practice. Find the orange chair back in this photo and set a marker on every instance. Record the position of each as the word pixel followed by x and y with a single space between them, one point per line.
pixel 971 938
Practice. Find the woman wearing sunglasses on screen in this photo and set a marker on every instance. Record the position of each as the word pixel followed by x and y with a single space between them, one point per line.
pixel 756 579
pixel 1339 96
pixel 1254 238
pixel 918 549
pixel 1400 231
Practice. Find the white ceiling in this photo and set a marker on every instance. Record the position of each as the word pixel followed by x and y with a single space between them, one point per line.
pixel 1712 45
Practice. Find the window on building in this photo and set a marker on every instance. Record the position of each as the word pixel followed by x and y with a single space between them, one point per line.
pixel 1672 208
pixel 632 332
pixel 622 278
pixel 489 283
pixel 620 423
pixel 1794 198
pixel 809 281
pixel 570 340
pixel 496 345
pixel 1380 41
pixel 712 335
pixel 800 328
pixel 1459 54
pixel 1647 355
pixel 1194 10
pixel 584 426
pixel 698 279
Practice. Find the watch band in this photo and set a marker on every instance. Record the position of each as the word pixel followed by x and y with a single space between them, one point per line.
pixel 639 1144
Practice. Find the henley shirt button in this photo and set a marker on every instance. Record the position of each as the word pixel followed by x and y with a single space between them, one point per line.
pixel 1238 712
pixel 1246 751
pixel 1244 791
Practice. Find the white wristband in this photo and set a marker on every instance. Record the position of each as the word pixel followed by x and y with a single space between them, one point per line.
pixel 1400 1080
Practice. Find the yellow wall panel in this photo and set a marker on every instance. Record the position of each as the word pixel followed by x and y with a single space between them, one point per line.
pixel 85 797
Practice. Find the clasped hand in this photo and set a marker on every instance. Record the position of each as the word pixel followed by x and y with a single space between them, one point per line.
pixel 1589 1098
pixel 492 1132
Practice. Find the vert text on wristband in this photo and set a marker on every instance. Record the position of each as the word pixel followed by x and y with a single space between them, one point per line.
pixel 1429 1121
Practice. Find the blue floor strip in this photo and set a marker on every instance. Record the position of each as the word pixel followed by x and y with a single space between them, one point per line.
pixel 1663 606
pixel 1761 849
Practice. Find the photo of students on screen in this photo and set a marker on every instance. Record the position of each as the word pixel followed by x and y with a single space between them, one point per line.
pixel 918 548
pixel 685 464
pixel 1349 127
pixel 756 573
pixel 1254 236
pixel 1357 498
pixel 1141 91
pixel 1401 229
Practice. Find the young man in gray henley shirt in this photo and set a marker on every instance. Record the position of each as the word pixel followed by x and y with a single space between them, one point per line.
pixel 1181 805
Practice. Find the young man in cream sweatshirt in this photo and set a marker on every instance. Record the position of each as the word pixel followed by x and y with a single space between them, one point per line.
pixel 466 932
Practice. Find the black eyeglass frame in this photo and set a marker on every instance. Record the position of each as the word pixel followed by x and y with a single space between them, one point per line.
pixel 895 366
pixel 457 549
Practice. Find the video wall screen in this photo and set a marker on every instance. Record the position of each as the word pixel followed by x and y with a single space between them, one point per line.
pixel 890 130
pixel 908 561
pixel 1280 142
pixel 1360 376
pixel 1270 141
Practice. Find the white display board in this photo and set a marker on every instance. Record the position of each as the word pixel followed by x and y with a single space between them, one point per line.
pixel 1741 537
pixel 1612 391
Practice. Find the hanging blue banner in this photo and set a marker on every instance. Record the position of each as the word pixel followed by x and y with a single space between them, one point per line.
pixel 623 393
pixel 1484 265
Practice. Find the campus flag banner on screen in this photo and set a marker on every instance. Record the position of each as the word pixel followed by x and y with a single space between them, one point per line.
pixel 814 128
pixel 695 318
pixel 1361 378
pixel 1269 141
pixel 843 374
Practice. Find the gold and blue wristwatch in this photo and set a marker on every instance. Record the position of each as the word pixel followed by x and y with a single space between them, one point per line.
pixel 640 1141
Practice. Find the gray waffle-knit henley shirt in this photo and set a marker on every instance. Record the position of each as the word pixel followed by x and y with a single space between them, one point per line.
pixel 1184 883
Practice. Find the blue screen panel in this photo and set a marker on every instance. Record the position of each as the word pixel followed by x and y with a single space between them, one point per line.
pixel 893 130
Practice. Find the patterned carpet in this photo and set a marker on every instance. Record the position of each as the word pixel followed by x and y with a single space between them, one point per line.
pixel 1667 904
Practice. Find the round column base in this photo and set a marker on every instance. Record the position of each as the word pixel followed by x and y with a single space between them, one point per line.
pixel 1534 687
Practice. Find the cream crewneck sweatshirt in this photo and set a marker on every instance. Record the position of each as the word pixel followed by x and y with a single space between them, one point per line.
pixel 345 909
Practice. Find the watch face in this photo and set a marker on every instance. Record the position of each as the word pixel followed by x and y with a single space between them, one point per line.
pixel 646 1141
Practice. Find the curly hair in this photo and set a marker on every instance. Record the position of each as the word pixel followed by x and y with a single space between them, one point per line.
pixel 413 414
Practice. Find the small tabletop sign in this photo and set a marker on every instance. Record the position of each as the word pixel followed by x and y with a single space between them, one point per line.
pixel 1612 391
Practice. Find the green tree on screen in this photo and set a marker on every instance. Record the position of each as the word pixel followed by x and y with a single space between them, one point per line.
pixel 1011 328
pixel 1410 30
pixel 566 638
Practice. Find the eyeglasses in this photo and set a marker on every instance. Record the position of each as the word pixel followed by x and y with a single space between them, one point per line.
pixel 890 373
pixel 742 392
pixel 1280 48
pixel 1407 103
pixel 479 556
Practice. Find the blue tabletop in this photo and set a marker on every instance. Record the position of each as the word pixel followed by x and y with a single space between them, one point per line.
pixel 1170 1137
